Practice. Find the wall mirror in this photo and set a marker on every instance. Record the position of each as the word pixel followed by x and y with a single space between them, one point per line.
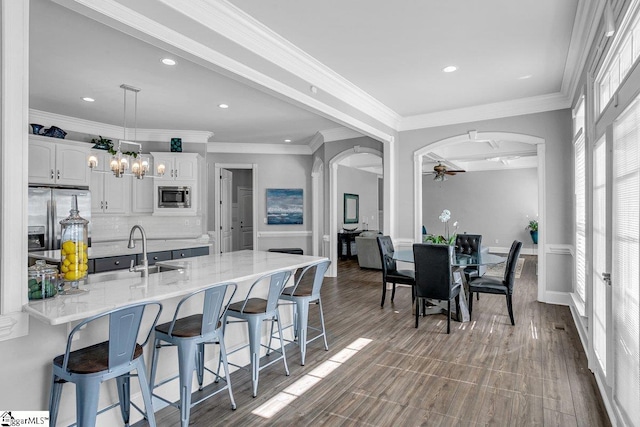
pixel 351 208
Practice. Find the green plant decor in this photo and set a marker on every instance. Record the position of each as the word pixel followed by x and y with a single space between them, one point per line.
pixel 107 144
pixel 533 225
pixel 440 240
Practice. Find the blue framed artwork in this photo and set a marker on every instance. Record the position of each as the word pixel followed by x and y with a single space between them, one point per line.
pixel 284 206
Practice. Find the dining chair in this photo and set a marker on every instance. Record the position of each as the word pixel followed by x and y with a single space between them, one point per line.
pixel 469 244
pixel 189 335
pixel 117 357
pixel 434 277
pixel 305 291
pixel 254 310
pixel 494 285
pixel 390 273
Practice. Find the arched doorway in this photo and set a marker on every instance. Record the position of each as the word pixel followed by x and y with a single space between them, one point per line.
pixel 539 143
pixel 334 222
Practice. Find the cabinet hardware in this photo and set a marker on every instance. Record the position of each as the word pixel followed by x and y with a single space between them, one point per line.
pixel 117 262
pixel 58 174
pixel 607 278
pixel 51 173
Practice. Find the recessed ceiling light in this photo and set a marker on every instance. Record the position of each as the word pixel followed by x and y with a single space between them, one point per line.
pixel 287 140
pixel 223 106
pixel 527 76
pixel 450 69
pixel 87 99
pixel 168 61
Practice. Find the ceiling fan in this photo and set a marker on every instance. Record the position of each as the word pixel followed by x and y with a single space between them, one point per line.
pixel 440 172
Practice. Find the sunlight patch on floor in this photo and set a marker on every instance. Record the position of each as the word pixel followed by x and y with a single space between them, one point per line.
pixel 289 394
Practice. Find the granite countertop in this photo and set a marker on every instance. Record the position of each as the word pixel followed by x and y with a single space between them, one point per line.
pixel 109 249
pixel 195 273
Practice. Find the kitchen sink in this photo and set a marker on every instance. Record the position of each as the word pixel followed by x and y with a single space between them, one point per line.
pixel 123 274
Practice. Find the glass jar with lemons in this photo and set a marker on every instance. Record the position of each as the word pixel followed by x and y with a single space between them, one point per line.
pixel 74 257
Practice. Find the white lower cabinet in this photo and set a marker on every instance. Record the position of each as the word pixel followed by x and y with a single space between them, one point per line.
pixel 109 195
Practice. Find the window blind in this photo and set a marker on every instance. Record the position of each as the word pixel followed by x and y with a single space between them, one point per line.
pixel 600 255
pixel 580 215
pixel 625 272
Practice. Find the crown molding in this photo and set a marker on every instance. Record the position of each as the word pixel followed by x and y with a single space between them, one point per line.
pixel 113 13
pixel 316 142
pixel 585 27
pixel 233 23
pixel 115 132
pixel 517 107
pixel 339 134
pixel 257 148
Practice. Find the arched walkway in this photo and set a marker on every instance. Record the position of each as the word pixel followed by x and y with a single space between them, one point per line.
pixel 503 136
pixel 333 201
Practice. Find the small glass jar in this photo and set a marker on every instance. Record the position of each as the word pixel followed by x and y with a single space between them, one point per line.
pixel 74 246
pixel 43 280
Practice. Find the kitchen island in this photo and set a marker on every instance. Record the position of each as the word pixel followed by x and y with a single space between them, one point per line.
pixel 180 278
pixel 57 315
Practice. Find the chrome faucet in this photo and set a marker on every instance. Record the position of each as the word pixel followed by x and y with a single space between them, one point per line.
pixel 144 266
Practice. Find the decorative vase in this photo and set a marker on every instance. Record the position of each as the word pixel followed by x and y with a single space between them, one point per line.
pixel 36 128
pixel 534 236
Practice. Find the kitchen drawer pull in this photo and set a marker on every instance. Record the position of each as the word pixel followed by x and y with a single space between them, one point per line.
pixel 155 258
pixel 117 262
pixel 182 254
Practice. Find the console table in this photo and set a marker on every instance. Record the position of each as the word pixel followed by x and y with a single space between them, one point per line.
pixel 346 237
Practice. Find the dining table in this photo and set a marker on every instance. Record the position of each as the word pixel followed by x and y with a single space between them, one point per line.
pixel 459 261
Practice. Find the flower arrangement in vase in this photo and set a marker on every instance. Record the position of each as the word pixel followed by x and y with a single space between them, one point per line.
pixel 446 238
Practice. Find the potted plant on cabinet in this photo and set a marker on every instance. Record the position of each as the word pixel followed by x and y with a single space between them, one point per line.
pixel 533 230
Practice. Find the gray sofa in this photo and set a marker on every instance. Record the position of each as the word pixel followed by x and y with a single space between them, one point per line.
pixel 368 251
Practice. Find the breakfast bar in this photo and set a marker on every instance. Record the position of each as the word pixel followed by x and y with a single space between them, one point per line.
pixel 182 277
pixel 174 279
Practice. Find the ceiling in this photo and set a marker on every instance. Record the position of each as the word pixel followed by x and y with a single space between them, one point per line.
pixel 391 54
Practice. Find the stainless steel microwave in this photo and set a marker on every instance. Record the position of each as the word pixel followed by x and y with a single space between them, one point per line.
pixel 174 197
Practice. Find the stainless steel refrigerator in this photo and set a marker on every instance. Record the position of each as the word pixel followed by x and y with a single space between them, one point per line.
pixel 47 207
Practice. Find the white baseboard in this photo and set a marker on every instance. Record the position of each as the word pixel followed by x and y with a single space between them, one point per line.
pixel 558 298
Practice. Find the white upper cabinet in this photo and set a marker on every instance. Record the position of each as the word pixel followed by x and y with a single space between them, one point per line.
pixel 58 162
pixel 142 192
pixel 109 195
pixel 177 166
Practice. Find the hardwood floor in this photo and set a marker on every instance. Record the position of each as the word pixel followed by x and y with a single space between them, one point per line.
pixel 485 372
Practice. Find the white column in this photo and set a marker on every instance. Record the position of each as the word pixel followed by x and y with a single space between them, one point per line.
pixel 14 155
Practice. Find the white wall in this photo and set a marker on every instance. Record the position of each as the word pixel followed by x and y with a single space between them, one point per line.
pixel 555 128
pixel 273 171
pixel 365 185
pixel 494 204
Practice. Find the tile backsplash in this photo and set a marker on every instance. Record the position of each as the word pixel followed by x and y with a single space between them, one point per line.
pixel 108 228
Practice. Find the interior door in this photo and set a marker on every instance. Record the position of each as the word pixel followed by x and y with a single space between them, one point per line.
pixel 601 265
pixel 245 212
pixel 226 236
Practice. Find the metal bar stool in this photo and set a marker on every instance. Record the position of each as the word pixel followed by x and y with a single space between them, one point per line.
pixel 190 334
pixel 254 311
pixel 116 358
pixel 305 291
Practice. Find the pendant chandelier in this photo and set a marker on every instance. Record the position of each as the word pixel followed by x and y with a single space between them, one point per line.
pixel 122 161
